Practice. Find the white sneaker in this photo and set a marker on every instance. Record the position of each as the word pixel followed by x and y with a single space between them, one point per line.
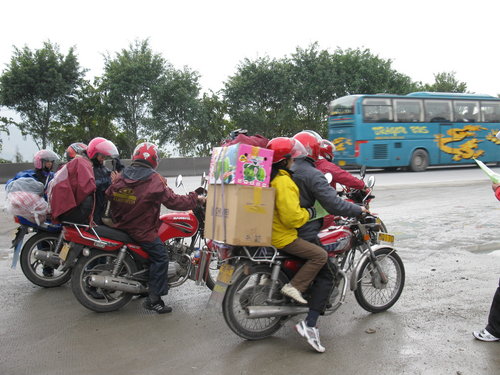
pixel 311 334
pixel 484 335
pixel 290 291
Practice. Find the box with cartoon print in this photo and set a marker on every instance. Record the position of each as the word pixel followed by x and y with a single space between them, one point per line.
pixel 241 164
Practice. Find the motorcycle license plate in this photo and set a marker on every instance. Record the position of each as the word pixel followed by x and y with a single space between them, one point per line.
pixel 64 252
pixel 225 273
pixel 385 237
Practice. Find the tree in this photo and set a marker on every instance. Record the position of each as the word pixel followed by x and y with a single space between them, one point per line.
pixel 446 82
pixel 40 85
pixel 209 127
pixel 89 117
pixel 281 97
pixel 176 108
pixel 260 96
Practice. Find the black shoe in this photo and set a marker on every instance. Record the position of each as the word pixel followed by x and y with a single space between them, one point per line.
pixel 158 306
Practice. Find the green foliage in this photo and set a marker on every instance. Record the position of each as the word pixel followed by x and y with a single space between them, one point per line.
pixel 40 85
pixel 446 82
pixel 281 97
pixel 208 127
pixel 89 117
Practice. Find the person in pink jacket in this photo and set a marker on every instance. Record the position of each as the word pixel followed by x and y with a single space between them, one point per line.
pixel 325 164
pixel 492 330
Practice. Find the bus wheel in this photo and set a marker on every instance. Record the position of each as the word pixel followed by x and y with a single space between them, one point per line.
pixel 419 161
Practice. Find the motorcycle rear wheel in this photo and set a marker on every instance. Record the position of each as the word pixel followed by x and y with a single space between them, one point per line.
pixel 33 268
pixel 252 290
pixel 100 263
pixel 371 294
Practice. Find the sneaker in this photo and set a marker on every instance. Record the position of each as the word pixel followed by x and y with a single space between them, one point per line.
pixel 158 306
pixel 265 280
pixel 484 335
pixel 311 334
pixel 290 291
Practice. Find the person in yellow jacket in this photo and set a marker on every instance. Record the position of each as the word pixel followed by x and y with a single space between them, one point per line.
pixel 288 216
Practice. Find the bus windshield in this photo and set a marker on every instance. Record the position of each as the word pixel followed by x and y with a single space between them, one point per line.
pixel 344 105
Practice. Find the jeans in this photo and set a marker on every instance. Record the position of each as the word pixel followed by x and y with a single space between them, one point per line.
pixel 158 269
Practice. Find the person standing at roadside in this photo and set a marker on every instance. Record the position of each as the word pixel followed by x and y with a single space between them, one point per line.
pixel 492 330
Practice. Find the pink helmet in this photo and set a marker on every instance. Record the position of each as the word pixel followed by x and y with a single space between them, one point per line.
pixel 42 156
pixel 101 146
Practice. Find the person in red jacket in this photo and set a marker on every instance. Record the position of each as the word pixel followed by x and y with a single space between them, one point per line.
pixel 325 164
pixel 72 191
pixel 136 196
pixel 492 330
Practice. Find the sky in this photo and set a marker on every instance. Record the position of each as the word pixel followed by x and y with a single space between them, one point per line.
pixel 212 37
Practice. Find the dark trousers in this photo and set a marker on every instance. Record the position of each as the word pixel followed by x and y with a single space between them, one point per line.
pixel 322 286
pixel 158 268
pixel 493 326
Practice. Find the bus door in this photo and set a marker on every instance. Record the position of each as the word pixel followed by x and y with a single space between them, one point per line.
pixel 445 144
pixel 343 138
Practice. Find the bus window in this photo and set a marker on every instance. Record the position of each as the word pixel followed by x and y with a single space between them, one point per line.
pixel 437 110
pixel 466 111
pixel 343 105
pixel 490 111
pixel 406 110
pixel 377 110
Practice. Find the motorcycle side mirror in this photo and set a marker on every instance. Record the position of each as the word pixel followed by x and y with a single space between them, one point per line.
pixel 329 177
pixel 371 182
pixel 362 171
pixel 178 181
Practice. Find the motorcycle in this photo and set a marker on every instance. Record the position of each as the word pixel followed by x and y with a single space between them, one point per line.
pixel 109 268
pixel 250 278
pixel 357 196
pixel 38 256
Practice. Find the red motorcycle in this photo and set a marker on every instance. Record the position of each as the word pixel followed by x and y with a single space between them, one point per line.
pixel 109 268
pixel 250 278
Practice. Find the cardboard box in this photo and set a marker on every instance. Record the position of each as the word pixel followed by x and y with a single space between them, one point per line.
pixel 241 164
pixel 239 215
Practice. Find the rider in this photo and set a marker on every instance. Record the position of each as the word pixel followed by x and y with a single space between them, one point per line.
pixel 43 162
pixel 102 176
pixel 313 187
pixel 325 164
pixel 74 150
pixel 72 193
pixel 136 196
pixel 288 216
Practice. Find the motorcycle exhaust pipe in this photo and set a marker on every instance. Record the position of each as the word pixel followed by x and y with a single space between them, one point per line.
pixel 119 284
pixel 256 312
pixel 49 258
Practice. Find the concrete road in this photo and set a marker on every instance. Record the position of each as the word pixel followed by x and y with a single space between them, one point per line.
pixel 446 225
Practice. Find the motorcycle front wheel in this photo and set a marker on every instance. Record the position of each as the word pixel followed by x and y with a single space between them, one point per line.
pixel 371 293
pixel 252 289
pixel 35 270
pixel 100 263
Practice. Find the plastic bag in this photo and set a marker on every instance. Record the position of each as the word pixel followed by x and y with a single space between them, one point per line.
pixel 25 198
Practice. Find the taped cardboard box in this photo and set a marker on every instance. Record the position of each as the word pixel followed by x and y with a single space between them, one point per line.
pixel 239 215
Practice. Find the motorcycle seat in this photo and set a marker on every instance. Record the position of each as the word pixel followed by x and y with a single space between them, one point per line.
pixel 113 234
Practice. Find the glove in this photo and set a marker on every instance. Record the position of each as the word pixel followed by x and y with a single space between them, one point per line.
pixel 201 191
pixel 312 212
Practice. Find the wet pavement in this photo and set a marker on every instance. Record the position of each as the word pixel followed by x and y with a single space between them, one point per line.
pixel 446 227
